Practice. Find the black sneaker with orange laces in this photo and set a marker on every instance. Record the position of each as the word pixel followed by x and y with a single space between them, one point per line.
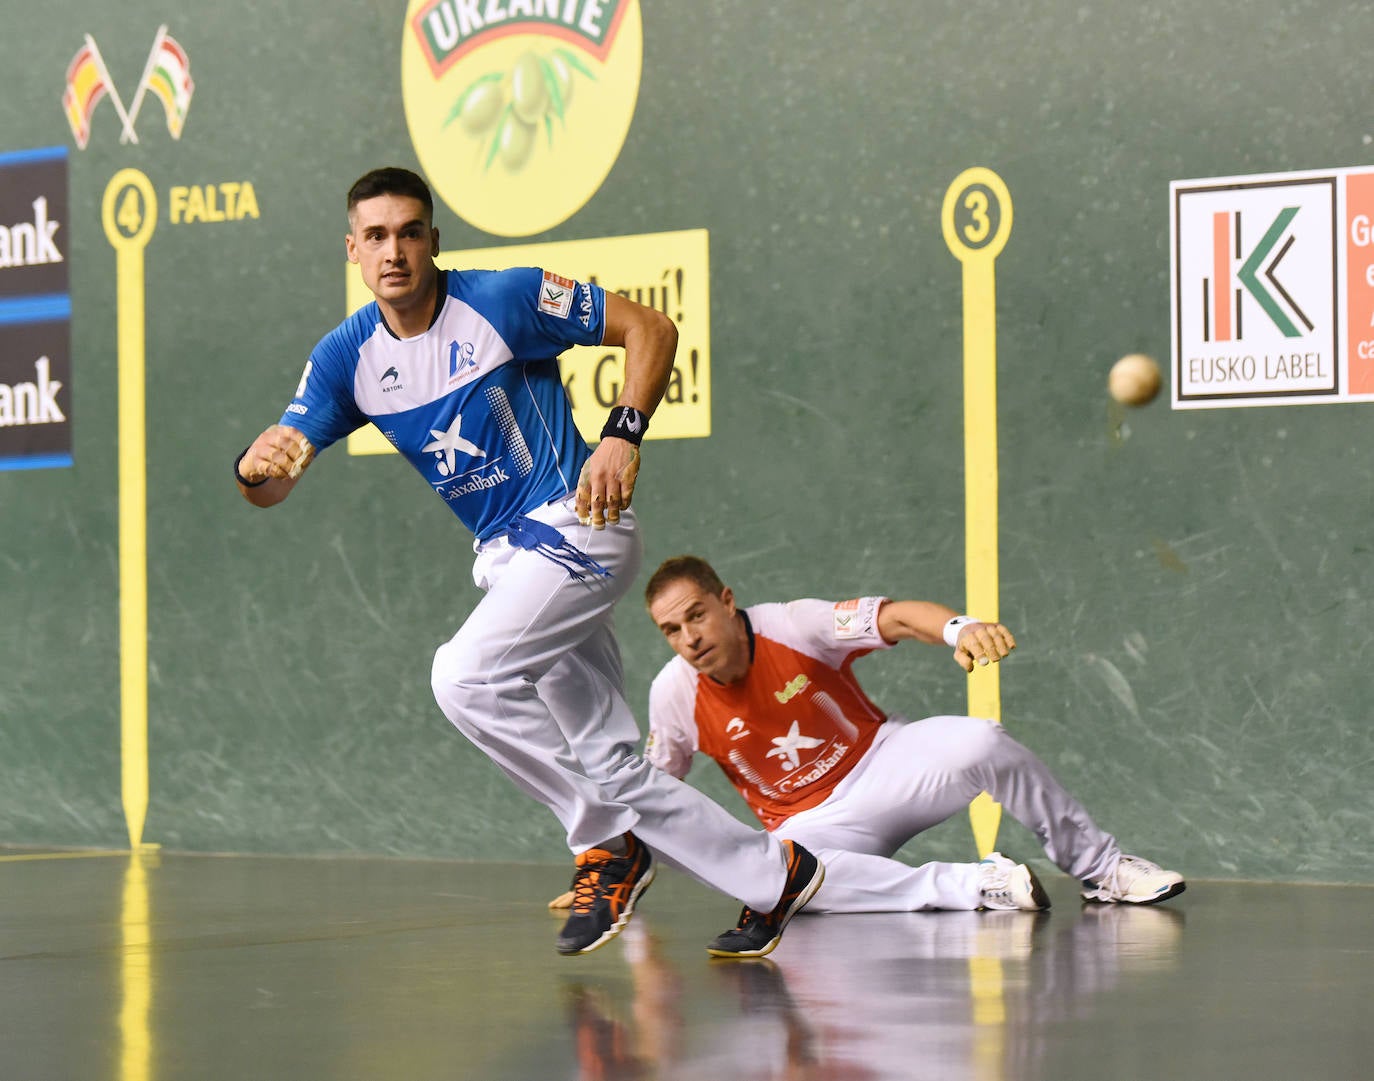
pixel 759 932
pixel 605 888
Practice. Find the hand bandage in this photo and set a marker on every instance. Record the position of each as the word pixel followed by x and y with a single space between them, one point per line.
pixel 304 454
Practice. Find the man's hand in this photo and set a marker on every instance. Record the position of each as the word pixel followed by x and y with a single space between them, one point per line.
pixel 280 453
pixel 982 643
pixel 272 464
pixel 607 483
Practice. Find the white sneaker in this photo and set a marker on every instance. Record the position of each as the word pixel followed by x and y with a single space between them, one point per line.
pixel 1136 882
pixel 1006 885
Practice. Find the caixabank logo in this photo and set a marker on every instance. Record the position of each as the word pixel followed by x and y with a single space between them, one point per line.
pixel 35 311
pixel 518 109
pixel 1256 307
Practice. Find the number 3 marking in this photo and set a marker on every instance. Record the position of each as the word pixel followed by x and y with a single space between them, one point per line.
pixel 977 203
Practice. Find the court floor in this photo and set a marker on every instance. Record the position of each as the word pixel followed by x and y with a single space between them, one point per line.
pixel 163 966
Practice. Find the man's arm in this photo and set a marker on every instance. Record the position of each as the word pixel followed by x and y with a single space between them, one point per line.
pixel 925 621
pixel 269 469
pixel 671 743
pixel 650 341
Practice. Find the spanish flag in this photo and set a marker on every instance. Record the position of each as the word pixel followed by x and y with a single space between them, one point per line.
pixel 87 83
pixel 169 77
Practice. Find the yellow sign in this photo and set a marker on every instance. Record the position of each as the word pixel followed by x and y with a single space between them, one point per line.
pixel 667 271
pixel 517 111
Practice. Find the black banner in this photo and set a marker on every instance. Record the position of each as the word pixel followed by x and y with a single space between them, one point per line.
pixel 35 311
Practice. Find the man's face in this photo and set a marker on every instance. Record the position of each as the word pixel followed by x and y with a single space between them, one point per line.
pixel 703 629
pixel 394 246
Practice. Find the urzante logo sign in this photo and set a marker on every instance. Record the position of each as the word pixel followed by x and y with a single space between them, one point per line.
pixel 1261 282
pixel 517 109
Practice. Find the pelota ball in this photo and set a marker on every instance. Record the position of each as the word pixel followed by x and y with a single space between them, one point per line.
pixel 1134 379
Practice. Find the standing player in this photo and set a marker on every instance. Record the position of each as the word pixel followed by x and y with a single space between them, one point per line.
pixel 459 370
pixel 769 693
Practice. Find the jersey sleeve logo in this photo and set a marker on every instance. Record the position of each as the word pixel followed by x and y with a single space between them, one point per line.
pixel 556 295
pixel 846 615
pixel 586 304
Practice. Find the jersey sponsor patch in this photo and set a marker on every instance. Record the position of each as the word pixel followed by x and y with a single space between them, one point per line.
pixel 556 295
pixel 586 304
pixel 846 616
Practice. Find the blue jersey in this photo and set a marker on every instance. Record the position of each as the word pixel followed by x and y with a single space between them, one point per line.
pixel 475 403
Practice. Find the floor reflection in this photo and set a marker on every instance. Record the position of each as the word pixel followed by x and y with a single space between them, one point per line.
pixel 947 996
pixel 136 974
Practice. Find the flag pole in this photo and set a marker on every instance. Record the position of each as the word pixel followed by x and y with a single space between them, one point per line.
pixel 128 133
pixel 147 71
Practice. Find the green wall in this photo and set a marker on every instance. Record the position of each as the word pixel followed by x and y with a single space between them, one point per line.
pixel 1190 590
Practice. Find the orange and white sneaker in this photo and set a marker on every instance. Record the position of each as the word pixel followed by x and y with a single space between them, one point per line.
pixel 605 888
pixel 759 932
pixel 1136 882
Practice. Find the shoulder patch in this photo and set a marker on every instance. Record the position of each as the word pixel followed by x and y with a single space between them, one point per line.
pixel 556 295
pixel 846 616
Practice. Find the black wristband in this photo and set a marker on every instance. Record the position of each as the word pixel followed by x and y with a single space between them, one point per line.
pixel 239 476
pixel 627 423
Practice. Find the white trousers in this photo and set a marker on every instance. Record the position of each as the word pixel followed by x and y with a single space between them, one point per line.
pixel 916 775
pixel 534 679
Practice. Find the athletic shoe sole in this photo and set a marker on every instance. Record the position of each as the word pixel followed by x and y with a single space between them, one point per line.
pixel 1038 896
pixel 1147 899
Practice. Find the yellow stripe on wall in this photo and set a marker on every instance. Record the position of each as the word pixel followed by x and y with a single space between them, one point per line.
pixel 976 220
pixel 129 215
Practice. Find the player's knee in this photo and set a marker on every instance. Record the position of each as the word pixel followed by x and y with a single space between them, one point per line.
pixel 622 770
pixel 969 742
pixel 455 673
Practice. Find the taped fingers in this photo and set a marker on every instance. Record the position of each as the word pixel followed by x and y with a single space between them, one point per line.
pixel 584 494
pixel 622 488
pixel 596 508
pixel 628 476
pixel 985 643
pixel 304 455
pixel 1001 639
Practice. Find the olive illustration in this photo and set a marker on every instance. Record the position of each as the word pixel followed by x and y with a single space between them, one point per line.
pixel 529 90
pixel 482 107
pixel 507 109
pixel 515 141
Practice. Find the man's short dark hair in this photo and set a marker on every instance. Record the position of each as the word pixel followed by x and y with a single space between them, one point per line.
pixel 683 568
pixel 390 180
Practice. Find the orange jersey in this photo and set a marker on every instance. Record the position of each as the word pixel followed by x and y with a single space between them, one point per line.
pixel 795 725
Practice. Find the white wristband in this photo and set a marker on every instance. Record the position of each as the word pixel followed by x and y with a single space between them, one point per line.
pixel 954 626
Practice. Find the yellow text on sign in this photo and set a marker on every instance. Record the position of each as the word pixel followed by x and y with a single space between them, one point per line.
pixel 667 271
pixel 229 200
